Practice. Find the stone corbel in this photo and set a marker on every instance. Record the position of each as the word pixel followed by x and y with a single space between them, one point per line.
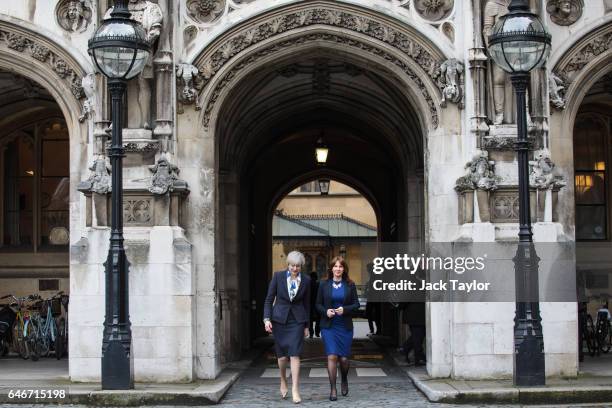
pixel 96 190
pixel 547 181
pixel 165 177
pixel 452 78
pixel 475 189
pixel 544 175
pixel 188 85
pixel 556 91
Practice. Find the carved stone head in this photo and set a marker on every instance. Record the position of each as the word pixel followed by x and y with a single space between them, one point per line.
pixel 73 15
pixel 75 10
pixel 564 12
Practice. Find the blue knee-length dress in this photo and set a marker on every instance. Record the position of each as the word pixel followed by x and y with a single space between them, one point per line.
pixel 337 338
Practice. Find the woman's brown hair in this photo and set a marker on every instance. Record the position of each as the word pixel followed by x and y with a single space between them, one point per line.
pixel 345 271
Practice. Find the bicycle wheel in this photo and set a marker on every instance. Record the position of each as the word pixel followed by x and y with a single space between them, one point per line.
pixel 19 343
pixel 59 339
pixel 32 340
pixel 604 343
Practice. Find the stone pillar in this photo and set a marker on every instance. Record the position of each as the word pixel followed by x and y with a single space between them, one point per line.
pixel 163 65
pixel 477 60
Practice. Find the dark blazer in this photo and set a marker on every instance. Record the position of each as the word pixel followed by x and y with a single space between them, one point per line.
pixel 277 304
pixel 350 304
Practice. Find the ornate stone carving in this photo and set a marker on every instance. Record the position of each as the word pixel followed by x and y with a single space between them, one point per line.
pixel 64 71
pixel 564 12
pixel 40 52
pixel 505 207
pixel 480 175
pixel 407 44
pixel 73 15
pixel 188 83
pixel 503 143
pixel 137 211
pixel 205 11
pixel 493 10
pixel 543 175
pixel 165 177
pixel 433 10
pixel 452 77
pixel 89 105
pixel 227 78
pixel 150 15
pixel 586 51
pixel 100 180
pixel 556 91
pixel 141 147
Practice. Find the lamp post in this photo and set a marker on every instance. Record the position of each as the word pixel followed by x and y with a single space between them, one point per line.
pixel 119 50
pixel 518 44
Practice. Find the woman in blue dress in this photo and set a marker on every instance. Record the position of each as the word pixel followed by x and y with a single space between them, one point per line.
pixel 336 302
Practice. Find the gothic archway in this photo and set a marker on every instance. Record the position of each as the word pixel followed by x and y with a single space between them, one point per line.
pixel 277 80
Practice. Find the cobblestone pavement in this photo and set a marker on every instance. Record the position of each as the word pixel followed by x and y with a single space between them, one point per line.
pixel 394 389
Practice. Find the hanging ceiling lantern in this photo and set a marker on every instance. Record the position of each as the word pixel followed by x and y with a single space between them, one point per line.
pixel 321 152
pixel 324 186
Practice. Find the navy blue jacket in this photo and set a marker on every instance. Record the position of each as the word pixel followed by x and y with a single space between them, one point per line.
pixel 350 304
pixel 277 304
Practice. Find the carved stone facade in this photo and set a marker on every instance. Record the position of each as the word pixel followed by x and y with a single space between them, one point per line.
pixel 564 12
pixel 404 82
pixel 73 15
pixel 434 10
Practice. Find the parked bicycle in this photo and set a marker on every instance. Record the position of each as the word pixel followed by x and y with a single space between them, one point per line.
pixel 7 319
pixel 48 338
pixel 25 330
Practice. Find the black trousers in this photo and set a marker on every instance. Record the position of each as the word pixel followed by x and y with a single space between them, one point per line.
pixel 415 342
pixel 372 316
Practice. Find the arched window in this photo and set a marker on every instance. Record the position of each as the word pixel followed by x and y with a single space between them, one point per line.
pixel 35 187
pixel 591 141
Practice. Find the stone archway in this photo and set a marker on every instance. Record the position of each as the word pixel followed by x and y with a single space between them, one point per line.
pixel 44 60
pixel 402 67
pixel 583 64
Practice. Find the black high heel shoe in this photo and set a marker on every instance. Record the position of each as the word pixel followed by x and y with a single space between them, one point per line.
pixel 333 394
pixel 344 388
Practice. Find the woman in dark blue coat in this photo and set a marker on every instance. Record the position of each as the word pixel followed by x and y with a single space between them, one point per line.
pixel 287 316
pixel 336 302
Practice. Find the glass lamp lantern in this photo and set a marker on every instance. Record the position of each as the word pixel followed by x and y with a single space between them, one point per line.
pixel 324 186
pixel 519 42
pixel 119 48
pixel 321 152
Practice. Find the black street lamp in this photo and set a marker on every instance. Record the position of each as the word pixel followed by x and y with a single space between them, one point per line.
pixel 520 43
pixel 119 50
